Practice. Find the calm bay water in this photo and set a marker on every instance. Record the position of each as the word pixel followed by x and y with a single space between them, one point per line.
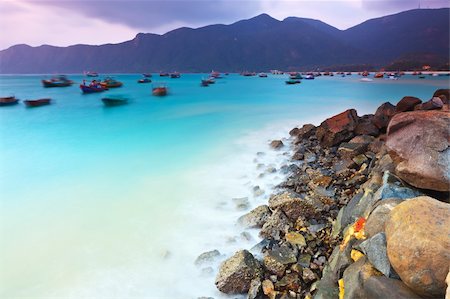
pixel 117 202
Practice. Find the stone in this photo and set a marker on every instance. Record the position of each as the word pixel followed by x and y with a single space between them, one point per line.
pixel 433 104
pixel 443 92
pixel 241 203
pixel 255 291
pixel 338 128
pixel 276 144
pixel 294 132
pixel 355 276
pixel 308 275
pixel 288 282
pixel 407 104
pixel 304 260
pixel 364 139
pixel 296 238
pixel 393 187
pixel 257 191
pixel 310 157
pixel 293 207
pixel 306 131
pixel 350 150
pixel 375 250
pixel 207 257
pixel 268 287
pixel 237 272
pixel 418 244
pixel 381 286
pixel 366 126
pixel 275 226
pixel 418 143
pixel 383 115
pixel 256 217
pixel 279 258
pixel 378 216
pixel 360 159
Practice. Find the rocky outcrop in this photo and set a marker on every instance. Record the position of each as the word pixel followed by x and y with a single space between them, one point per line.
pixel 443 94
pixel 276 144
pixel 407 104
pixel 338 128
pixel 433 104
pixel 418 143
pixel 237 272
pixel 418 244
pixel 383 115
pixel 256 217
pixel 366 126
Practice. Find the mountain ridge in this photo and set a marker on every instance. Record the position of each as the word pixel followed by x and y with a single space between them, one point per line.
pixel 258 43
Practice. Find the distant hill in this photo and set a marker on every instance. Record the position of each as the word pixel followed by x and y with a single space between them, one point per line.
pixel 256 44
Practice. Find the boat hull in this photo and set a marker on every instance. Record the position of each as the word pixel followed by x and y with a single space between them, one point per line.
pixel 8 101
pixel 159 91
pixel 110 102
pixel 48 84
pixel 37 103
pixel 90 89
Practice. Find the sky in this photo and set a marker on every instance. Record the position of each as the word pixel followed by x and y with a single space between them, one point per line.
pixel 68 22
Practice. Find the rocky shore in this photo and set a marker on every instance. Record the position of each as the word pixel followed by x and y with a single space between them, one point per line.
pixel 364 212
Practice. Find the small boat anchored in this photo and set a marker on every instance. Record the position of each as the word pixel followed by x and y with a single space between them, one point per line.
pixel 110 82
pixel 60 81
pixel 8 101
pixel 115 101
pixel 144 80
pixel 159 89
pixel 175 75
pixel 91 74
pixel 37 103
pixel 93 87
pixel 293 81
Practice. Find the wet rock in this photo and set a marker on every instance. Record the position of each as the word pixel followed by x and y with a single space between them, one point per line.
pixel 418 244
pixel 355 276
pixel 271 169
pixel 304 260
pixel 294 132
pixel 241 203
pixel 207 257
pixel 343 165
pixel 377 218
pixel 258 248
pixel 308 275
pixel 255 291
pixel 268 287
pixel 257 191
pixel 360 159
pixel 288 282
pixel 296 238
pixel 393 187
pixel 338 128
pixel 292 207
pixel 433 104
pixel 306 131
pixel 375 250
pixel 276 144
pixel 237 272
pixel 407 104
pixel 380 286
pixel 350 150
pixel 418 143
pixel 383 115
pixel 298 155
pixel 256 217
pixel 366 126
pixel 310 157
pixel 275 226
pixel 444 94
pixel 279 258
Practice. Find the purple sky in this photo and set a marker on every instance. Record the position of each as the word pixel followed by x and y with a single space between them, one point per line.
pixel 67 22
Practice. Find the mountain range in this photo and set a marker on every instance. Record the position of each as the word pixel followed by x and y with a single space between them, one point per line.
pixel 257 44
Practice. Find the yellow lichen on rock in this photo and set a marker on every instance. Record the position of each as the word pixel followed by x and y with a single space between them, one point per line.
pixel 341 288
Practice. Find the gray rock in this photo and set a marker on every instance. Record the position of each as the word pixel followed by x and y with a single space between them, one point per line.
pixel 279 258
pixel 207 257
pixel 276 144
pixel 237 272
pixel 376 252
pixel 393 187
pixel 258 248
pixel 380 286
pixel 255 291
pixel 256 217
pixel 257 191
pixel 378 216
pixel 241 203
pixel 292 206
pixel 310 157
pixel 275 226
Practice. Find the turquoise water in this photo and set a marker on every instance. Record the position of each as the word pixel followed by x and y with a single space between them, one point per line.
pixel 97 201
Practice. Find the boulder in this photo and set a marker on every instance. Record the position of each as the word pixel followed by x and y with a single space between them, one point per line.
pixel 418 244
pixel 350 150
pixel 292 207
pixel 338 128
pixel 256 217
pixel 276 144
pixel 433 104
pixel 381 286
pixel 444 94
pixel 279 258
pixel 366 126
pixel 305 132
pixel 276 226
pixel 407 104
pixel 383 115
pixel 355 276
pixel 418 143
pixel 255 291
pixel 378 216
pixel 375 250
pixel 207 257
pixel 237 272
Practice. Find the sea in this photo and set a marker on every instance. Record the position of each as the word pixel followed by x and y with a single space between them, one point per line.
pixel 118 202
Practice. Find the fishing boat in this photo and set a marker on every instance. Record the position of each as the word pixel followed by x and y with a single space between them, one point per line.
pixel 147 75
pixel 111 83
pixel 115 101
pixel 309 77
pixel 159 89
pixel 293 81
pixel 92 88
pixel 7 101
pixel 421 77
pixel 262 75
pixel 37 103
pixel 144 80
pixel 175 75
pixel 215 75
pixel 378 75
pixel 163 74
pixel 366 80
pixel 295 76
pixel 204 83
pixel 91 74
pixel 60 81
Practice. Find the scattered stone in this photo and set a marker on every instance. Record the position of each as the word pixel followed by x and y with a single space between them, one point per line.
pixel 241 203
pixel 257 191
pixel 275 226
pixel 418 244
pixel 296 238
pixel 360 159
pixel 380 286
pixel 306 131
pixel 256 217
pixel 350 150
pixel 383 115
pixel 355 276
pixel 271 169
pixel 237 272
pixel 418 143
pixel 207 257
pixel 279 258
pixel 288 282
pixel 276 144
pixel 304 260
pixel 366 126
pixel 255 291
pixel 310 157
pixel 308 275
pixel 293 207
pixel 378 216
pixel 338 128
pixel 407 104
pixel 444 94
pixel 375 250
pixel 268 287
pixel 433 104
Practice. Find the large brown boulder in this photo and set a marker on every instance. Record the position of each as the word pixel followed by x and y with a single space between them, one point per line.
pixel 418 244
pixel 338 128
pixel 366 126
pixel 237 272
pixel 383 115
pixel 407 104
pixel 444 94
pixel 418 143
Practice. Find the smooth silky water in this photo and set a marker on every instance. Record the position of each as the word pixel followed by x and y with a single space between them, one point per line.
pixel 117 202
